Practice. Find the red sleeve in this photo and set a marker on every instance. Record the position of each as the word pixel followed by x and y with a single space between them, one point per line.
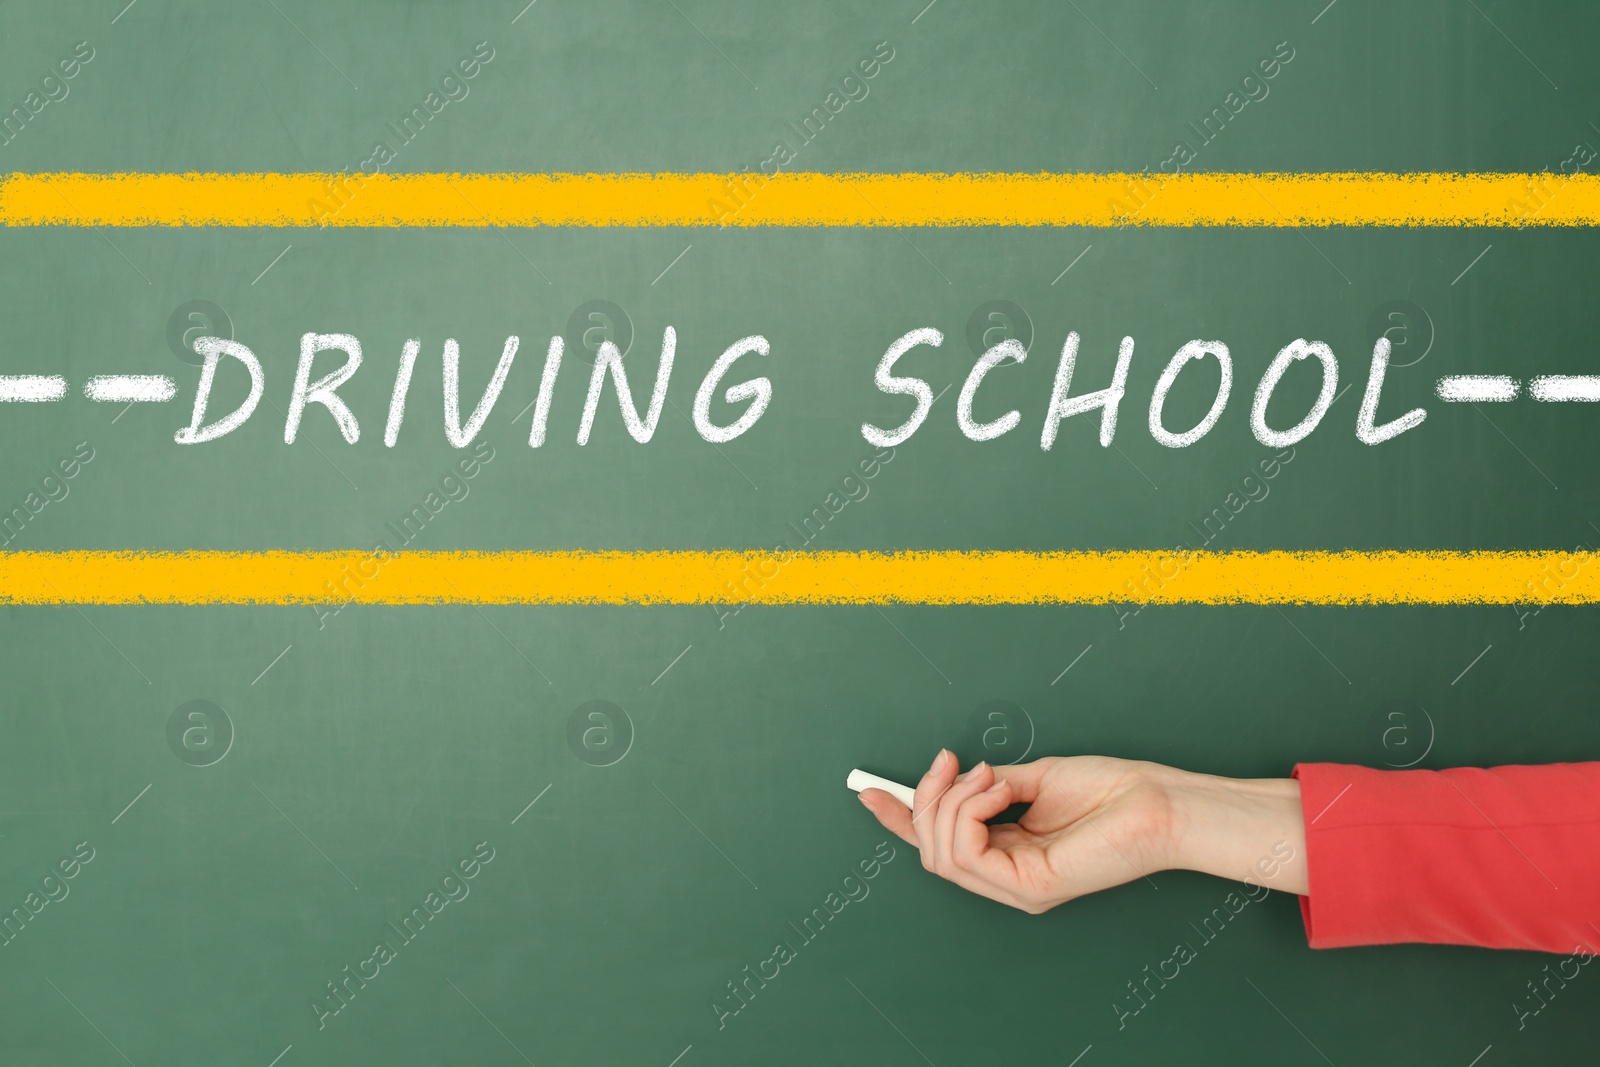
pixel 1505 857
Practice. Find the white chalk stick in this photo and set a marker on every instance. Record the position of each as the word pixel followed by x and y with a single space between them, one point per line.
pixel 860 780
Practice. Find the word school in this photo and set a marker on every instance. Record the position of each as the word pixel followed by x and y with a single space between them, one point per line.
pixel 324 391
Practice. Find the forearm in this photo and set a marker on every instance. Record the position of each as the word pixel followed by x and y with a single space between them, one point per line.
pixel 1240 828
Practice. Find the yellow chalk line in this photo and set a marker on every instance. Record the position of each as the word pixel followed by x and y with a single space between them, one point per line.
pixel 800 199
pixel 729 577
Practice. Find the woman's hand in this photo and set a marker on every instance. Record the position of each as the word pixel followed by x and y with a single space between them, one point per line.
pixel 1095 822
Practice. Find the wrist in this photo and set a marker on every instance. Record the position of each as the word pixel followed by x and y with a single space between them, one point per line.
pixel 1238 828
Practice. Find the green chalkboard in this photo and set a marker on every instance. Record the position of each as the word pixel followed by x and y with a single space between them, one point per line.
pixel 573 827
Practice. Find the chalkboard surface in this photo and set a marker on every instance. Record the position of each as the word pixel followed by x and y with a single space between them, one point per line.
pixel 575 830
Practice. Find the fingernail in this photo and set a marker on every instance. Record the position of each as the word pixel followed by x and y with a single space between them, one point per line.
pixel 941 759
pixel 865 803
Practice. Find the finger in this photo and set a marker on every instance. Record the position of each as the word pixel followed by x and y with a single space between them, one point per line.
pixel 930 790
pixel 952 790
pixel 972 847
pixel 895 816
pixel 975 781
pixel 1027 779
pixel 977 860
